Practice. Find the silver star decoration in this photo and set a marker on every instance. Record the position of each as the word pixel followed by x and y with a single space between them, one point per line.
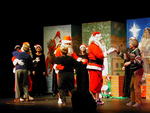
pixel 135 30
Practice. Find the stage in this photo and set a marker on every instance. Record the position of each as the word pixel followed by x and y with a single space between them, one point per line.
pixel 48 104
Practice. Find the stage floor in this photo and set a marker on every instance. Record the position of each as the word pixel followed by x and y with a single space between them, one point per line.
pixel 48 104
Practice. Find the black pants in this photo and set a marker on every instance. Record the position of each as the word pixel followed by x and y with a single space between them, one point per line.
pixel 65 84
pixel 39 84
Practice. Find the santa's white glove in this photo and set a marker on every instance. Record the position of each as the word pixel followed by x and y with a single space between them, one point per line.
pixel 20 62
pixel 79 59
pixel 17 61
pixel 37 59
pixel 105 54
pixel 14 69
pixel 111 50
pixel 56 70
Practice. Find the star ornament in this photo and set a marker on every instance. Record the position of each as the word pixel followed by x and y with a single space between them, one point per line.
pixel 135 30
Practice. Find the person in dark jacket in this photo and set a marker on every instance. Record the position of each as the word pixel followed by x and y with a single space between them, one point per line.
pixel 82 72
pixel 65 65
pixel 127 76
pixel 39 69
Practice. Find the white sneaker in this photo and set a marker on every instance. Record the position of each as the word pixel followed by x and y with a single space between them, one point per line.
pixel 31 98
pixel 59 101
pixel 100 102
pixel 130 103
pixel 136 105
pixel 21 99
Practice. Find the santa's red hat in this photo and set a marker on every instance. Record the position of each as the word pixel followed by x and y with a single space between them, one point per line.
pixel 82 45
pixel 17 47
pixel 95 37
pixel 37 45
pixel 96 34
pixel 67 39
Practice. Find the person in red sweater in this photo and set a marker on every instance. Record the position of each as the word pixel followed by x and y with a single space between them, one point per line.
pixel 95 65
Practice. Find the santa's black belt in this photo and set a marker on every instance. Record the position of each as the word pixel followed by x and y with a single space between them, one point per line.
pixel 97 61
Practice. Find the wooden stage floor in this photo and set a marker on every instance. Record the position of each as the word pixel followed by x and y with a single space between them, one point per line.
pixel 48 104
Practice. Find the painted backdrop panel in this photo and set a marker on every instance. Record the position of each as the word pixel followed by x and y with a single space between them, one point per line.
pixel 50 32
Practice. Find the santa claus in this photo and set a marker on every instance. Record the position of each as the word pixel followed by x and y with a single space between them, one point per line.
pixel 95 66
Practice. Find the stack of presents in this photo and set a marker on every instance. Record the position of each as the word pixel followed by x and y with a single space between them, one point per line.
pixel 115 34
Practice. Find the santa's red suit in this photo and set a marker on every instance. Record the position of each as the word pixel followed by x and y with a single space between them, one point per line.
pixel 95 65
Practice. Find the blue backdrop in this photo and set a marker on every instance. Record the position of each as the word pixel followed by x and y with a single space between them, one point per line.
pixel 135 28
